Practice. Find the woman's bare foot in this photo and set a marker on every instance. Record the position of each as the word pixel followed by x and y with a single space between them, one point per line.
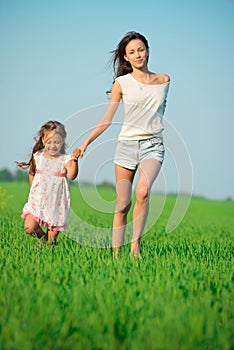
pixel 135 255
pixel 115 253
pixel 135 249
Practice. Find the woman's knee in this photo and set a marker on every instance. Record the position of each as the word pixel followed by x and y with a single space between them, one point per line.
pixel 142 193
pixel 122 206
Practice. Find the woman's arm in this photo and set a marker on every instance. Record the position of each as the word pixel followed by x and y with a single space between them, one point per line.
pixel 106 120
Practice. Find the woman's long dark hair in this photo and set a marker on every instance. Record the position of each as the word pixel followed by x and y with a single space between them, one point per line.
pixel 120 65
pixel 46 128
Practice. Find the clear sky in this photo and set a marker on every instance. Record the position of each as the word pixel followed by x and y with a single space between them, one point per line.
pixel 54 65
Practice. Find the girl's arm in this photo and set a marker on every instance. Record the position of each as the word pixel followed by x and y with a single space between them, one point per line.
pixel 106 120
pixel 31 177
pixel 72 168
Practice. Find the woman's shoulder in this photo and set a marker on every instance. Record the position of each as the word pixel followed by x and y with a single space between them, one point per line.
pixel 121 78
pixel 122 81
pixel 161 78
pixel 166 78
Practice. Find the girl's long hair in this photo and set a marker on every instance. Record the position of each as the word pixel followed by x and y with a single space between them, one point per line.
pixel 38 146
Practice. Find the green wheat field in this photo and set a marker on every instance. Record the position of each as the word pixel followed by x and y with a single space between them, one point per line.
pixel 75 296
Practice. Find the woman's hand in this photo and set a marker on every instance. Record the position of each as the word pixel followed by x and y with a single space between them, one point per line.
pixel 79 152
pixel 76 154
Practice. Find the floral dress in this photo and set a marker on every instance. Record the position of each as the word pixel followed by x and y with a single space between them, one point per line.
pixel 49 197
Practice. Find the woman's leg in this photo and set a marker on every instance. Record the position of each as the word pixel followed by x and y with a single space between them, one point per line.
pixel 148 171
pixel 124 179
pixel 32 227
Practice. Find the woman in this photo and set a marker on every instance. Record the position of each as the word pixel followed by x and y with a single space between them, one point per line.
pixel 140 143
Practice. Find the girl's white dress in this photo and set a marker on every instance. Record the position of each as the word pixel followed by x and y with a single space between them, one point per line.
pixel 49 197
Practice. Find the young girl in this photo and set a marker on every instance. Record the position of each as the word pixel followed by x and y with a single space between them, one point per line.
pixel 140 144
pixel 49 170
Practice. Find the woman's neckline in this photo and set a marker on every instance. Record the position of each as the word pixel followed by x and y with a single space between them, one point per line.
pixel 139 82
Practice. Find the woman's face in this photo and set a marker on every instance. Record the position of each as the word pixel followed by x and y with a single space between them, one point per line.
pixel 136 53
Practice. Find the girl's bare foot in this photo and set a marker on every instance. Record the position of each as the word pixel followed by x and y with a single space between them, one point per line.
pixel 51 237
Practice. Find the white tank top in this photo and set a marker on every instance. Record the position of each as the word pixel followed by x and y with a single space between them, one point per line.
pixel 144 106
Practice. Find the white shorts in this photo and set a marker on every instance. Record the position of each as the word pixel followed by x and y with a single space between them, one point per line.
pixel 129 153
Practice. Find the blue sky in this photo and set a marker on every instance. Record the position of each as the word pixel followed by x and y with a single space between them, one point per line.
pixel 54 65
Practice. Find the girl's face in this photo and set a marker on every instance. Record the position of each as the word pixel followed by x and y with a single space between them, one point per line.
pixel 53 142
pixel 136 53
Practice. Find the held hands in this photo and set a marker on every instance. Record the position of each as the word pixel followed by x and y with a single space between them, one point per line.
pixel 78 152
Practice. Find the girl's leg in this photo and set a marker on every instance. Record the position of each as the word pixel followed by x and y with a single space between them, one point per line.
pixel 52 236
pixel 32 227
pixel 148 171
pixel 124 179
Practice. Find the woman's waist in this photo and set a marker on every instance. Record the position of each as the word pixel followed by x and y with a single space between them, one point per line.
pixel 140 137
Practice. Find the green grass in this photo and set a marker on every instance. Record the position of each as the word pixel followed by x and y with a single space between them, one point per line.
pixel 73 296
